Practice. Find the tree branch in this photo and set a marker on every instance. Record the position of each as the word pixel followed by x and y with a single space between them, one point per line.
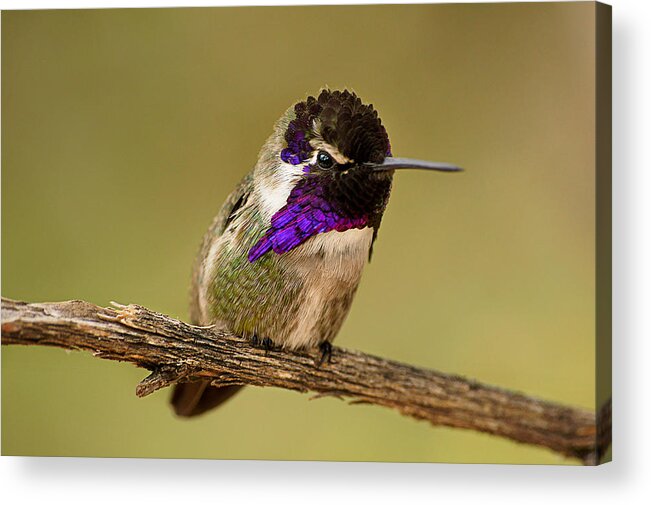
pixel 176 352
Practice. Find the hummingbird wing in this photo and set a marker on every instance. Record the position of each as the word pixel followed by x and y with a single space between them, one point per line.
pixel 233 203
pixel 370 249
pixel 194 398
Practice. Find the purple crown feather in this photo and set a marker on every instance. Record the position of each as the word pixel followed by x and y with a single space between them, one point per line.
pixel 307 213
pixel 298 146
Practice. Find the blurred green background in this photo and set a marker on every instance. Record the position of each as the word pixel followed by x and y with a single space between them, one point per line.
pixel 124 130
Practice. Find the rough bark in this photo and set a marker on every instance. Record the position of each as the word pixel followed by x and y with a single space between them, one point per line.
pixel 175 351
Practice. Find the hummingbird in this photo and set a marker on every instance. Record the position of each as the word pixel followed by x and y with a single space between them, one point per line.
pixel 282 260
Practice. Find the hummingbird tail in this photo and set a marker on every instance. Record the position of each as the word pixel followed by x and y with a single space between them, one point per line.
pixel 193 398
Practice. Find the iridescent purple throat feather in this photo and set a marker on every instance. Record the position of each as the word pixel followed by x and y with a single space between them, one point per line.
pixel 307 213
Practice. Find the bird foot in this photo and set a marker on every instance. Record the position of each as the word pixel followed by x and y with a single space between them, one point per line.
pixel 266 343
pixel 326 352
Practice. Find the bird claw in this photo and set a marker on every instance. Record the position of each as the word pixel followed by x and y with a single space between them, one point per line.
pixel 326 352
pixel 266 343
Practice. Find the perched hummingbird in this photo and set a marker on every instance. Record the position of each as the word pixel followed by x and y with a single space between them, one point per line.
pixel 282 260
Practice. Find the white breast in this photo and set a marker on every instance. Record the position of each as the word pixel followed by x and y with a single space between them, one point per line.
pixel 330 265
pixel 354 242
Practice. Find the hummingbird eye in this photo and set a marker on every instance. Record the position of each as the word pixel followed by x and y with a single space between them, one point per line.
pixel 324 160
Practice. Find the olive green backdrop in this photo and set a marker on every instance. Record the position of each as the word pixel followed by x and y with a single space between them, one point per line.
pixel 124 130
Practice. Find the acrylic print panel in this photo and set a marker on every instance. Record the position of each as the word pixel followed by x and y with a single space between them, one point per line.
pixel 125 130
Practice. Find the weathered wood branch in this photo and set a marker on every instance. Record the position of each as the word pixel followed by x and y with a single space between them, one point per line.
pixel 174 351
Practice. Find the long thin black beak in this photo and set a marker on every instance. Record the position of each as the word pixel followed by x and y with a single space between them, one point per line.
pixel 391 163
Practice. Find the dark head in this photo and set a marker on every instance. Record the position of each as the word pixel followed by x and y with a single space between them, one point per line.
pixel 328 166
